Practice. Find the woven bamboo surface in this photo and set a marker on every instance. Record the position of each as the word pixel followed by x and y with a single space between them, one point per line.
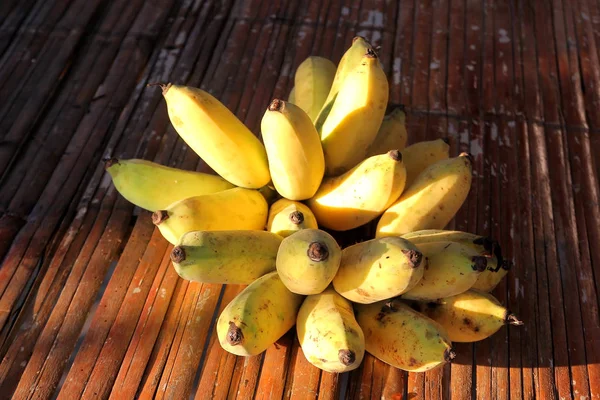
pixel 90 306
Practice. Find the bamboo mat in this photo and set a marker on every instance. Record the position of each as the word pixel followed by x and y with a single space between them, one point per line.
pixel 90 306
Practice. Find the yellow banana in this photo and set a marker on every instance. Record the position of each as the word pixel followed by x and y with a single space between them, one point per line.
pixel 431 201
pixel 232 209
pixel 450 268
pixel 361 194
pixel 421 155
pixel 470 316
pixel 350 60
pixel 328 333
pixel 398 335
pixel 294 150
pixel 292 96
pixel 391 135
pixel 484 245
pixel 217 136
pixel 378 269
pixel 355 117
pixel 308 260
pixel 313 80
pixel 236 257
pixel 287 216
pixel 152 186
pixel 258 316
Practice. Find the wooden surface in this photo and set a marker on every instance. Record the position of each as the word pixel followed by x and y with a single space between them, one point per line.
pixel 90 306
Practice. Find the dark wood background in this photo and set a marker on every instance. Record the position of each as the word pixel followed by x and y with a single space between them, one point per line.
pixel 89 304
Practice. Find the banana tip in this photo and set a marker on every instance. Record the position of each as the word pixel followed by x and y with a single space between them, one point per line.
pixel 159 216
pixel 164 86
pixel 371 53
pixel 358 37
pixel 347 357
pixel 512 319
pixel 469 156
pixel 317 251
pixel 449 355
pixel 296 217
pixel 506 265
pixel 235 335
pixel 414 257
pixel 178 254
pixel 277 105
pixel 395 155
pixel 479 263
pixel 446 140
pixel 109 162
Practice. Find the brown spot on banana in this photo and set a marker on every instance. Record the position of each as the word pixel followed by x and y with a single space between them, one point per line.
pixel 159 216
pixel 479 263
pixel 317 251
pixel 414 257
pixel 347 357
pixel 109 162
pixel 296 217
pixel 235 335
pixel 178 254
pixel 395 155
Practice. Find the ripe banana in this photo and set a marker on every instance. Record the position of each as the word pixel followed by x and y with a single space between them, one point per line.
pixel 398 335
pixel 450 268
pixel 491 277
pixel 143 183
pixel 350 60
pixel 236 257
pixel 484 245
pixel 328 333
pixel 217 136
pixel 258 316
pixel 361 194
pixel 313 80
pixel 378 269
pixel 431 201
pixel 421 155
pixel 308 260
pixel 232 209
pixel 292 96
pixel 355 116
pixel 470 316
pixel 294 150
pixel 287 216
pixel 391 135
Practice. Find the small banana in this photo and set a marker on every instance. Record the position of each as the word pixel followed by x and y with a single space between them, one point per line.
pixel 355 117
pixel 398 335
pixel 143 183
pixel 378 269
pixel 361 194
pixel 484 245
pixel 232 209
pixel 308 260
pixel 470 316
pixel 292 96
pixel 431 201
pixel 391 135
pixel 421 155
pixel 313 80
pixel 287 216
pixel 217 136
pixel 294 150
pixel 236 257
pixel 258 316
pixel 450 268
pixel 328 333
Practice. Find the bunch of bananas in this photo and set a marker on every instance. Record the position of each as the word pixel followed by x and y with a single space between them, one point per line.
pixel 330 158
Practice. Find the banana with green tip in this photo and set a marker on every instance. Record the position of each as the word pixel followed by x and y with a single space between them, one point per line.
pixel 152 186
pixel 392 133
pixel 361 194
pixel 225 257
pixel 308 260
pixel 402 337
pixel 431 201
pixel 470 316
pixel 378 269
pixel 287 216
pixel 328 333
pixel 313 80
pixel 450 268
pixel 258 316
pixel 421 155
pixel 232 209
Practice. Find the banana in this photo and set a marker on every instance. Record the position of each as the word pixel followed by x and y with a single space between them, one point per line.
pixel 236 257
pixel 313 80
pixel 350 60
pixel 421 155
pixel 355 117
pixel 431 201
pixel 143 183
pixel 491 277
pixel 232 209
pixel 484 245
pixel 294 150
pixel 391 135
pixel 470 316
pixel 328 333
pixel 258 316
pixel 450 268
pixel 287 216
pixel 398 335
pixel 308 260
pixel 217 136
pixel 292 96
pixel 361 194
pixel 378 269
